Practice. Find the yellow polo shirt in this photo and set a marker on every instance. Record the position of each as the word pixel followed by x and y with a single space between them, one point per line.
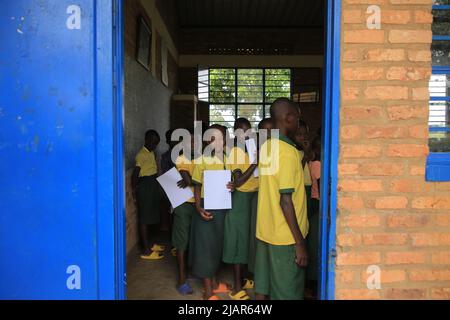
pixel 286 176
pixel 238 159
pixel 306 172
pixel 203 164
pixel 184 164
pixel 146 160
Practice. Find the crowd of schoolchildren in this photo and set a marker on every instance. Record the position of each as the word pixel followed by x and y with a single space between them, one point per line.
pixel 269 236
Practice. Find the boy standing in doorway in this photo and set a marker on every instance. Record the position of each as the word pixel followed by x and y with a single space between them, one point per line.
pixel 282 222
pixel 146 191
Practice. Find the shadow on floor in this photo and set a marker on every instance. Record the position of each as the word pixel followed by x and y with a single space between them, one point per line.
pixel 156 280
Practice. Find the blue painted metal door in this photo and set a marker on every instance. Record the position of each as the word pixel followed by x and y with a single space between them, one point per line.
pixel 60 150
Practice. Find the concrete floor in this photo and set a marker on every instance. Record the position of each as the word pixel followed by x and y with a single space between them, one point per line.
pixel 156 280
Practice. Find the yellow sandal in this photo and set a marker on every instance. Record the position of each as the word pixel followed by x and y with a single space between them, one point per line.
pixel 249 284
pixel 155 255
pixel 241 295
pixel 158 248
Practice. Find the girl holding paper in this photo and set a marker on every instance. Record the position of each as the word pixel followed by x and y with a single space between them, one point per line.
pixel 207 231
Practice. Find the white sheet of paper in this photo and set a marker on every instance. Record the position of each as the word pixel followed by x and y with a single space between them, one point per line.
pixel 252 151
pixel 217 196
pixel 177 196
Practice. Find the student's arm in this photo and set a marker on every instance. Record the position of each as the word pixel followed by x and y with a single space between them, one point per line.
pixel 241 178
pixel 186 181
pixel 287 206
pixel 198 203
pixel 134 179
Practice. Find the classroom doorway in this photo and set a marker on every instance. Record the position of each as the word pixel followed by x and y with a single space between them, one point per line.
pixel 272 39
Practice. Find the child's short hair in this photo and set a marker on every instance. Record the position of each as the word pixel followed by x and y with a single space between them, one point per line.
pixel 241 121
pixel 264 122
pixel 303 124
pixel 151 134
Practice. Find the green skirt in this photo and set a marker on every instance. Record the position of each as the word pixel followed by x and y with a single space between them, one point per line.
pixel 206 244
pixel 312 241
pixel 148 200
pixel 181 228
pixel 238 233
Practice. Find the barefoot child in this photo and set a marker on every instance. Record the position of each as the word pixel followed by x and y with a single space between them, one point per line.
pixel 206 245
pixel 146 191
pixel 182 218
pixel 237 221
pixel 282 222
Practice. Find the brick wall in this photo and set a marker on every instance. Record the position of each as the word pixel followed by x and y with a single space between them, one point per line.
pixel 388 215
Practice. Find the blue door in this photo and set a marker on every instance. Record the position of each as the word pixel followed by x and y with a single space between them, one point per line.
pixel 61 206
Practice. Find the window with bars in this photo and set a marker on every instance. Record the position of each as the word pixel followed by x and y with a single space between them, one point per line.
pixel 245 92
pixel 438 164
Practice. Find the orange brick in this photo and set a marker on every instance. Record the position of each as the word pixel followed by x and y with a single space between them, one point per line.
pixel 385 132
pixel 419 131
pixel 421 16
pixel 419 55
pixel 357 294
pixel 410 36
pixel 405 185
pixel 386 93
pixel 391 202
pixel 350 132
pixel 408 73
pixel 410 1
pixel 442 220
pixel 348 169
pixel 381 169
pixel 387 276
pixel 405 294
pixel 350 93
pixel 430 239
pixel 361 113
pixel 350 203
pixel 364 36
pixel 363 73
pixel 440 293
pixel 407 257
pixel 407 221
pixel 352 16
pixel 360 221
pixel 417 170
pixel 407 112
pixel 365 1
pixel 348 240
pixel 407 150
pixel 384 239
pixel 429 275
pixel 378 55
pixel 443 186
pixel 351 55
pixel 420 94
pixel 347 185
pixel 357 258
pixel 360 151
pixel 395 16
pixel 345 276
pixel 442 257
pixel 431 203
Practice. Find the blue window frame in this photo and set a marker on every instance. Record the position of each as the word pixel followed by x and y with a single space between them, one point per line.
pixel 438 162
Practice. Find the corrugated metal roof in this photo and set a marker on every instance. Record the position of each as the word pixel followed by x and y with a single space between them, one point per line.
pixel 250 13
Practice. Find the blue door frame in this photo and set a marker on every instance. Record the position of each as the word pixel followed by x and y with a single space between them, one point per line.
pixel 330 151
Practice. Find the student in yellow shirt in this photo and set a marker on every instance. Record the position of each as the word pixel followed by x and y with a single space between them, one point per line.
pixel 237 221
pixel 282 222
pixel 147 194
pixel 182 218
pixel 206 242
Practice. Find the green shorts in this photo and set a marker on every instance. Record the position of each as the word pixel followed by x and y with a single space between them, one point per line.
pixel 276 273
pixel 206 244
pixel 181 228
pixel 252 240
pixel 237 228
pixel 312 241
pixel 148 197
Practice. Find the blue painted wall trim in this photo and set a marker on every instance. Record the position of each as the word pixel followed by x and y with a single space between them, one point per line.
pixel 438 167
pixel 330 151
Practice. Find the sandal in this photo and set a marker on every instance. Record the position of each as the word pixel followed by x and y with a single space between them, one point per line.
pixel 152 256
pixel 249 284
pixel 174 252
pixel 214 297
pixel 158 247
pixel 222 288
pixel 185 289
pixel 241 295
